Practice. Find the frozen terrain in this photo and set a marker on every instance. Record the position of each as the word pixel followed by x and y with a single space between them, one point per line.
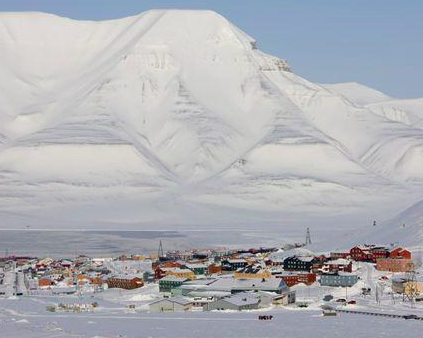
pixel 175 117
pixel 27 316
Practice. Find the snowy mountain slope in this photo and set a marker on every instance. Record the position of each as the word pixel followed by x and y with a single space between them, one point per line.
pixel 366 137
pixel 406 229
pixel 357 93
pixel 409 112
pixel 173 111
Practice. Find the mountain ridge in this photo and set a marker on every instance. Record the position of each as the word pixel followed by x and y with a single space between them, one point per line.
pixel 174 105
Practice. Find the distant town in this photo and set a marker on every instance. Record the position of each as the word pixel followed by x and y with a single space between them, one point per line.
pixel 366 278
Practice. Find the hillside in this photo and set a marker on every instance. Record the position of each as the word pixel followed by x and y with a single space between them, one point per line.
pixel 357 93
pixel 175 116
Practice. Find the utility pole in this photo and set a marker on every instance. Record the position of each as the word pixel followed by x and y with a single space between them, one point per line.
pixel 308 237
pixel 160 252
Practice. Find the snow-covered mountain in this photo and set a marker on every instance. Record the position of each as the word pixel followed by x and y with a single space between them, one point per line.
pixel 407 111
pixel 358 93
pixel 176 116
pixel 406 227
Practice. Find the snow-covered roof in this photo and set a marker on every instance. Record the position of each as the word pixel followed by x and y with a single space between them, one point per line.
pixel 242 300
pixel 237 260
pixel 339 261
pixel 298 252
pixel 177 299
pixel 170 278
pixel 195 266
pixel 250 283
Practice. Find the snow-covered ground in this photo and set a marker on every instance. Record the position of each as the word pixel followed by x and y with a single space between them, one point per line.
pixel 28 317
pixel 206 325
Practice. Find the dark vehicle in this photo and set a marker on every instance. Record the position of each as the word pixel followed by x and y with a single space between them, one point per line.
pixel 327 298
pixel 265 317
pixel 341 300
pixel 366 291
pixel 411 317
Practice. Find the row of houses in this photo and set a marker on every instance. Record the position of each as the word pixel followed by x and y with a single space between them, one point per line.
pixel 224 293
pixel 371 253
pixel 396 259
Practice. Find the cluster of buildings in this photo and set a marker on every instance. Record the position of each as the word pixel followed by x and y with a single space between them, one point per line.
pixel 214 279
pixel 20 275
pixel 396 259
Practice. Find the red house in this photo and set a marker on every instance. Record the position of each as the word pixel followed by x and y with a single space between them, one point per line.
pixel 125 282
pixel 214 269
pixel 293 278
pixel 399 253
pixel 361 253
pixel 339 254
pixel 368 253
pixel 379 252
pixel 338 265
pixel 159 273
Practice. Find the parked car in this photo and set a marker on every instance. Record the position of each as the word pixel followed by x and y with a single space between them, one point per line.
pixel 341 300
pixel 366 291
pixel 411 317
pixel 327 298
pixel 352 302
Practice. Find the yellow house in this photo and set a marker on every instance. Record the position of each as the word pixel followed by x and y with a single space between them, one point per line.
pixel 413 288
pixel 262 274
pixel 181 273
pixel 401 285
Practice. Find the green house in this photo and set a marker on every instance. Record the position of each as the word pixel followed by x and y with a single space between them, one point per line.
pixel 167 283
pixel 198 269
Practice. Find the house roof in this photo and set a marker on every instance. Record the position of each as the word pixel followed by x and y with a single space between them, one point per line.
pixel 170 278
pixel 292 273
pixel 242 300
pixel 177 270
pixel 195 266
pixel 177 299
pixel 238 260
pixel 339 261
pixel 228 284
pixel 302 258
pixel 126 277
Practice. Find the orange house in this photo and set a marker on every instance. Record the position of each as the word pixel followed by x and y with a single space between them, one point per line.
pixel 45 282
pixel 214 269
pixel 394 264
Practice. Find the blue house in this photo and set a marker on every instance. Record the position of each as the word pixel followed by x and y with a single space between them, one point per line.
pixel 341 278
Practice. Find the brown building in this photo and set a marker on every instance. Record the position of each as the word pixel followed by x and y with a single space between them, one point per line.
pixel 125 282
pixel 336 265
pixel 45 282
pixel 293 278
pixel 339 254
pixel 214 269
pixel 394 264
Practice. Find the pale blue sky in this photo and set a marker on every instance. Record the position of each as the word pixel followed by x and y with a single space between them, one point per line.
pixel 375 42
